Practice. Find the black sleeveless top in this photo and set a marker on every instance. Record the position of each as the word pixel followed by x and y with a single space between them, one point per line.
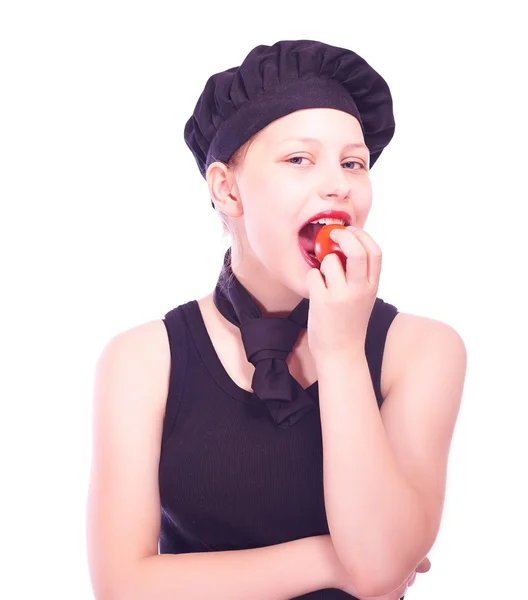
pixel 229 478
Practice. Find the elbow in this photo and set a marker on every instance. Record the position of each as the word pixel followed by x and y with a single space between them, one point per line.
pixel 376 585
pixel 378 569
pixel 375 588
pixel 377 577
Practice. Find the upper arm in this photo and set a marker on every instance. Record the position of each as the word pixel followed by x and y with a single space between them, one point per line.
pixel 130 390
pixel 420 411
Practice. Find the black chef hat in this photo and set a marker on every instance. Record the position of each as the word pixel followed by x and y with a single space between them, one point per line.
pixel 276 80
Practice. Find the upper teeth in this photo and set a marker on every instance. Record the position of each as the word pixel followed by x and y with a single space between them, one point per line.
pixel 329 221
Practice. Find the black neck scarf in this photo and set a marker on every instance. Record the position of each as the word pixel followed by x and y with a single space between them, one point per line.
pixel 267 342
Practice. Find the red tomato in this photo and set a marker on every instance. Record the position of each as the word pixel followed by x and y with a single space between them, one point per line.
pixel 325 245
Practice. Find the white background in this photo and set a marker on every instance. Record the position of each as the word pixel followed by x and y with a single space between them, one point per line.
pixel 106 223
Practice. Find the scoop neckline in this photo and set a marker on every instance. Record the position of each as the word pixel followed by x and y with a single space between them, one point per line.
pixel 213 363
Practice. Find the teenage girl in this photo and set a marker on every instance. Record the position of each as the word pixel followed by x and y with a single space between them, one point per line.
pixel 288 434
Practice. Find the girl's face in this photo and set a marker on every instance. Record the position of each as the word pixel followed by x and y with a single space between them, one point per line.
pixel 306 162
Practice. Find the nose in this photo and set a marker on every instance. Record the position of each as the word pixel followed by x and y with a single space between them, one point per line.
pixel 336 187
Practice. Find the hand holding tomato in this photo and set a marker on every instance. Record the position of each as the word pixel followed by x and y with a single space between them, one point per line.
pixel 342 296
pixel 324 244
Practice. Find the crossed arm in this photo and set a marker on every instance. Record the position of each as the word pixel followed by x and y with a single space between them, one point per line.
pixel 385 470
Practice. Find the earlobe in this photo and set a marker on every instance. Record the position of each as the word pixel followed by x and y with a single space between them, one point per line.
pixel 223 189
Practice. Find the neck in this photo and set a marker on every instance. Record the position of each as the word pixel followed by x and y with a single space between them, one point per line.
pixel 273 298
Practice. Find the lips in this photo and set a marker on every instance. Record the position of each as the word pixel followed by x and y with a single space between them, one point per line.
pixel 309 258
pixel 307 235
pixel 330 214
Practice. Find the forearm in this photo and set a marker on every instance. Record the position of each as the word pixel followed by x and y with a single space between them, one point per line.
pixel 376 521
pixel 278 572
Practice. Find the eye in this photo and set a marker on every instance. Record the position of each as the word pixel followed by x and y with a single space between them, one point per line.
pixel 296 158
pixel 354 162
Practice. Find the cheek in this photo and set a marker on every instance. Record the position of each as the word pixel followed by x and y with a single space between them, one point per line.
pixel 268 206
pixel 265 226
pixel 268 229
pixel 363 198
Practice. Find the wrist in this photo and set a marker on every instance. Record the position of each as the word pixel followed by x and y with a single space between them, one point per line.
pixel 339 359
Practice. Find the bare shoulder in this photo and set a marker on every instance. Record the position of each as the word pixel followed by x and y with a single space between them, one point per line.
pixel 147 345
pixel 408 336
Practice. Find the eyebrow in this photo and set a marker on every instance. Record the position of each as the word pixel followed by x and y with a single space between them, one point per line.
pixel 351 146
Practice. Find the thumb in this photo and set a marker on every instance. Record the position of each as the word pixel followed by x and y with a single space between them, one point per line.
pixel 424 566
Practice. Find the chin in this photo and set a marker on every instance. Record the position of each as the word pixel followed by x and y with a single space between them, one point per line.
pixel 298 284
pixel 290 273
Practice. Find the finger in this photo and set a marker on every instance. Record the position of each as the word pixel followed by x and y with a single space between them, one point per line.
pixel 315 283
pixel 356 253
pixel 424 566
pixel 374 255
pixel 412 579
pixel 333 272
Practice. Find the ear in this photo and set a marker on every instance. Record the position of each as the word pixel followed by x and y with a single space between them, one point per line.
pixel 223 189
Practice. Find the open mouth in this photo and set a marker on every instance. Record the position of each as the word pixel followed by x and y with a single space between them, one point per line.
pixel 310 258
pixel 307 235
pixel 307 243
